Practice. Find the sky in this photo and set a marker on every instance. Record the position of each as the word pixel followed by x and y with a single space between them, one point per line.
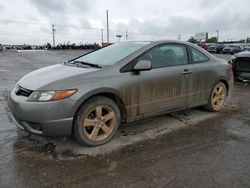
pixel 81 21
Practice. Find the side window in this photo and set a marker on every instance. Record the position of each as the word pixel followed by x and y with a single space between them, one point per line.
pixel 198 57
pixel 167 55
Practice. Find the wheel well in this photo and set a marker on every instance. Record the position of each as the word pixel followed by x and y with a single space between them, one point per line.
pixel 116 99
pixel 226 84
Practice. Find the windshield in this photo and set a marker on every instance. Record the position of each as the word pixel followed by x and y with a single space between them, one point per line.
pixel 231 46
pixel 112 54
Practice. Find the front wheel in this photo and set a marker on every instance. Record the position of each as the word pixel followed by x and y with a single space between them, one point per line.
pixel 97 121
pixel 217 97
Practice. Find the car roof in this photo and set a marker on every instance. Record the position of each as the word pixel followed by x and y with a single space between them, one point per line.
pixel 158 42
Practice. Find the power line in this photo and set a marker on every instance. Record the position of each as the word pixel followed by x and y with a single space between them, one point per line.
pixel 22 22
pixel 77 27
pixel 46 36
pixel 48 24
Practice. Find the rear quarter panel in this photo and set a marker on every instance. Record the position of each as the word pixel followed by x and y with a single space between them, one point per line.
pixel 205 76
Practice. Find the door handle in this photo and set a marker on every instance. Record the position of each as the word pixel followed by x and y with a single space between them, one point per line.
pixel 186 72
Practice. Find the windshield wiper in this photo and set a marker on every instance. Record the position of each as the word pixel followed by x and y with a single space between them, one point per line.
pixel 88 64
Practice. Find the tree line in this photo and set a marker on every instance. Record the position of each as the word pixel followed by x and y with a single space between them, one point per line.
pixel 73 46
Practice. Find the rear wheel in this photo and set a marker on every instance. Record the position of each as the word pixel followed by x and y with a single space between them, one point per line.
pixel 217 97
pixel 96 122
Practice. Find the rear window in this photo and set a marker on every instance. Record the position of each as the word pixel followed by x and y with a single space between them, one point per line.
pixel 198 57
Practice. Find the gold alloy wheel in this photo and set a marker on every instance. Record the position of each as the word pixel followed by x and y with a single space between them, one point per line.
pixel 99 123
pixel 218 96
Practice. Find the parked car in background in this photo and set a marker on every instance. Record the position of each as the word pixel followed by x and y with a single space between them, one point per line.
pixel 215 48
pixel 220 48
pixel 203 45
pixel 241 65
pixel 212 48
pixel 246 48
pixel 232 49
pixel 89 96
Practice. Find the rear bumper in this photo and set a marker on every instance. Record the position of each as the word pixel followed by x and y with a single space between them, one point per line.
pixel 43 118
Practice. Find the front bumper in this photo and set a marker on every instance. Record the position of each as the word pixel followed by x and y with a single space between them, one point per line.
pixel 243 76
pixel 241 69
pixel 53 118
pixel 227 51
pixel 212 50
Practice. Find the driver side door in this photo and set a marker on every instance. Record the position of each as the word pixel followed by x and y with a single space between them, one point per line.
pixel 165 86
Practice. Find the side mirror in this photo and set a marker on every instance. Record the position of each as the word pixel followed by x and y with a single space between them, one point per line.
pixel 143 65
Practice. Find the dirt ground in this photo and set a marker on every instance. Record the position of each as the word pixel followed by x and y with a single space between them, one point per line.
pixel 191 148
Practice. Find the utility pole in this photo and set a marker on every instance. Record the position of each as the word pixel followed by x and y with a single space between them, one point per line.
pixel 107 14
pixel 53 32
pixel 126 34
pixel 217 31
pixel 102 35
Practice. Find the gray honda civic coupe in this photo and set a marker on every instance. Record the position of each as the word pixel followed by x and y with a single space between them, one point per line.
pixel 89 96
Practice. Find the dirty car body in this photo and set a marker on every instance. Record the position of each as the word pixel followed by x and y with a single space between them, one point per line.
pixel 182 76
pixel 241 65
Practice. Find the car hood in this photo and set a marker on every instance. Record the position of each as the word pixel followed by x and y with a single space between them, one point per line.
pixel 243 54
pixel 52 74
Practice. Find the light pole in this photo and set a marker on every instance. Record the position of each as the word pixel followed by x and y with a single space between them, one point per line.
pixel 53 32
pixel 102 35
pixel 119 37
pixel 107 14
pixel 217 31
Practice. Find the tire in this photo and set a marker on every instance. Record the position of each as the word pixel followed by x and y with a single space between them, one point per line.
pixel 217 97
pixel 96 121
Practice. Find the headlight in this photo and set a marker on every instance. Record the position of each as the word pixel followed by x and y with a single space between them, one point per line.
pixel 233 58
pixel 50 95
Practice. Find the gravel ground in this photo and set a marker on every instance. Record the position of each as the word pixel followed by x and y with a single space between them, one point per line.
pixel 191 148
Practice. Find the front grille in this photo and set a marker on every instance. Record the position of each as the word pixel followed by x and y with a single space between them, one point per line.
pixel 211 48
pixel 244 64
pixel 23 92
